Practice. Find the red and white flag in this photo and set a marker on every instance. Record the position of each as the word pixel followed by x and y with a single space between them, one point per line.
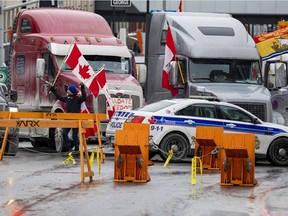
pixel 180 7
pixel 170 52
pixel 85 73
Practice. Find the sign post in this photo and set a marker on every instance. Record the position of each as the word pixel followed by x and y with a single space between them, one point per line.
pixel 118 3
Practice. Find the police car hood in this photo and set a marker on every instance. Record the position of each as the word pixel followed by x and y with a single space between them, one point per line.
pixel 278 126
pixel 237 92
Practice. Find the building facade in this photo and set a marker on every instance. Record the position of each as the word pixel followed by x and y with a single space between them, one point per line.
pixel 259 16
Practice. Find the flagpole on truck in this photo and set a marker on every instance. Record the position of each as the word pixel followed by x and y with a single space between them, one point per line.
pixel 64 60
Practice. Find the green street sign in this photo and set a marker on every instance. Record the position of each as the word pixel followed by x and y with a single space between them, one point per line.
pixel 4 75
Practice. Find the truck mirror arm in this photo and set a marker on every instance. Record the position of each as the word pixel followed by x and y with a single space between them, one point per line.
pixel 50 84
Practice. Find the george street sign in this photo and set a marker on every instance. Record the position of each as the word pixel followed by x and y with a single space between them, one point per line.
pixel 120 3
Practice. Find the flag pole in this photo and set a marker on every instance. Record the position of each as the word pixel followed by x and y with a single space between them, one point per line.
pixel 64 60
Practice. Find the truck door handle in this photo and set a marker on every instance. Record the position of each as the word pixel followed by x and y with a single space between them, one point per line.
pixel 189 121
pixel 231 125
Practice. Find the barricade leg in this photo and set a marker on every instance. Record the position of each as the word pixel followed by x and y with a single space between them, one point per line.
pixel 100 117
pixel 4 143
pixel 83 146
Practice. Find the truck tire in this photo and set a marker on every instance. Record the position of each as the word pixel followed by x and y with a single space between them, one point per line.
pixel 58 139
pixel 278 152
pixel 177 140
pixel 11 145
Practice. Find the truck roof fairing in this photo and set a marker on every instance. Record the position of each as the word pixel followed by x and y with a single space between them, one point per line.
pixel 106 50
pixel 197 36
pixel 63 21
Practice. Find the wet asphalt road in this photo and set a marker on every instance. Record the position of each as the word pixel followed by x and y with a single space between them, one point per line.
pixel 41 184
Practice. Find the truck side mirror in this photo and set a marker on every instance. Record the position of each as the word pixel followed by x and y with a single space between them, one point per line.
pixel 142 74
pixel 40 67
pixel 173 73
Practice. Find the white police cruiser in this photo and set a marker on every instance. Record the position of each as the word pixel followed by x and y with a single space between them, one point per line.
pixel 173 123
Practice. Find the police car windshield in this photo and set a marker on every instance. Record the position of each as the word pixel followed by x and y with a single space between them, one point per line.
pixel 154 107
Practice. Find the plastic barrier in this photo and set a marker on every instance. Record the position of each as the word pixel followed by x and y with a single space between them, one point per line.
pixel 207 141
pixel 194 171
pixel 238 159
pixel 55 120
pixel 132 153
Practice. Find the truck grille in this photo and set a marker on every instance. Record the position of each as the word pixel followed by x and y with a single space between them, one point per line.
pixel 258 109
pixel 102 101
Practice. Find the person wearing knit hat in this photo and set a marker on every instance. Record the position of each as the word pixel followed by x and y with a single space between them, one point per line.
pixel 72 89
pixel 73 105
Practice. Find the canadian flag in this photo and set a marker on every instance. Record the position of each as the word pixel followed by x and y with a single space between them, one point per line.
pixel 84 72
pixel 170 52
pixel 180 7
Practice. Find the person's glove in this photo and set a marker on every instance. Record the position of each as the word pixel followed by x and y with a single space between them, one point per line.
pixel 82 85
pixel 52 89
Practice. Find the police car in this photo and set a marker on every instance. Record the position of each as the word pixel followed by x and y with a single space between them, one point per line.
pixel 173 124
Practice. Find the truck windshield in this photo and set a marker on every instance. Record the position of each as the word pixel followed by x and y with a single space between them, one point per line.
pixel 223 71
pixel 112 64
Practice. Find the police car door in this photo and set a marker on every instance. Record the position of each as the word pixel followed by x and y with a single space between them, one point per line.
pixel 200 114
pixel 237 121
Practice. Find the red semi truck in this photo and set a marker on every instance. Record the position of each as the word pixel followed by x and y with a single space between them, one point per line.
pixel 47 34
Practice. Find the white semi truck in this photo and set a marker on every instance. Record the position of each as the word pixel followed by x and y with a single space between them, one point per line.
pixel 216 57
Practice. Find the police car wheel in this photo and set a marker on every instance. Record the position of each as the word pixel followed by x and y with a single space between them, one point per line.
pixel 278 152
pixel 175 140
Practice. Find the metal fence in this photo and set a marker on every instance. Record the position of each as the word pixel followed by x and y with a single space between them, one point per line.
pixel 10 13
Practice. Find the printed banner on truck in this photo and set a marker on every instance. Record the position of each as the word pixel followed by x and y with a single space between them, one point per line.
pixel 272 44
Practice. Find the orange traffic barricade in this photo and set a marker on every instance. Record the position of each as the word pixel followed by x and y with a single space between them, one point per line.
pixel 132 153
pixel 238 159
pixel 207 143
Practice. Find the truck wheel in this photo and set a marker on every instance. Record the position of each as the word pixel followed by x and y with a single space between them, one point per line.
pixel 58 138
pixel 11 145
pixel 278 152
pixel 179 144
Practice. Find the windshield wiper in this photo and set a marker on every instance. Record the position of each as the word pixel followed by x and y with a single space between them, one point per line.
pixel 109 71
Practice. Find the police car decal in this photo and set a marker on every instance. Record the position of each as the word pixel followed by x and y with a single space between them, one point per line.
pixel 193 122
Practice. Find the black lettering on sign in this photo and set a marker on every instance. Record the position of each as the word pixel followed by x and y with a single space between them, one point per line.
pixel 51 115
pixel 27 123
